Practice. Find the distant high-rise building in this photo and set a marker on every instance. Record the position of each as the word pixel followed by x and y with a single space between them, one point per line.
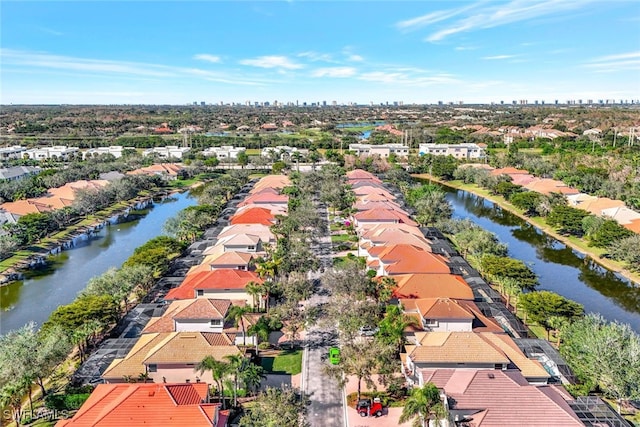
pixel 202 103
pixel 324 103
pixel 334 103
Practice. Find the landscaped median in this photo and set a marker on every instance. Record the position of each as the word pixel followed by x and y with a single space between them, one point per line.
pixel 574 243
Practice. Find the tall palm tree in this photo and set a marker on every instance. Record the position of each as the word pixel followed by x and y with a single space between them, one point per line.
pixel 261 330
pixel 236 314
pixel 422 404
pixel 255 290
pixel 218 371
pixel 11 396
pixel 237 364
pixel 252 377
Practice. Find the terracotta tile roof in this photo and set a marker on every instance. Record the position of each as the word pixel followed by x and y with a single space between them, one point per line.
pixel 368 231
pixel 218 260
pixel 265 197
pixel 522 179
pixel 170 169
pixel 273 181
pixel 254 216
pixel 437 308
pixel 24 207
pixel 431 286
pixel 528 367
pixel 392 236
pixel 374 197
pixel 259 230
pixel 148 404
pixel 384 215
pixel 366 205
pixel 633 226
pixel 598 205
pixel 509 171
pixel 548 186
pixel 204 308
pixel 510 402
pixel 455 347
pixel 117 405
pixel 274 209
pixel 360 174
pixel 178 348
pixel 370 190
pixel 216 279
pixel 407 259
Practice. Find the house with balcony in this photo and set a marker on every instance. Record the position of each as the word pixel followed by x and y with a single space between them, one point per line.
pixel 204 315
pixel 466 151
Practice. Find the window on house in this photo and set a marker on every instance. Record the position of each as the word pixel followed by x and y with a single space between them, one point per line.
pixel 216 322
pixel 251 248
pixel 431 322
pixel 153 368
pixel 200 292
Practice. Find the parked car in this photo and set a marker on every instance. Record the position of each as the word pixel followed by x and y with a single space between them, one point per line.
pixel 369 408
pixel 368 331
pixel 334 355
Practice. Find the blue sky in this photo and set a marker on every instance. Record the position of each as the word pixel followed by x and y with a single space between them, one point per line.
pixel 157 52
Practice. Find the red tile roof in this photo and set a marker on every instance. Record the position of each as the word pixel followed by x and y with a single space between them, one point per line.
pixel 254 216
pixel 407 259
pixel 117 405
pixel 431 286
pixel 265 197
pixel 216 279
pixel 383 215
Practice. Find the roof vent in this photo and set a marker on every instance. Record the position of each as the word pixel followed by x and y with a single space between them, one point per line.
pixel 491 376
pixel 152 393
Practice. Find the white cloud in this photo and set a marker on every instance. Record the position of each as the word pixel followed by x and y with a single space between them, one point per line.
pixel 316 56
pixel 337 72
pixel 272 61
pixel 613 63
pixel 407 78
pixel 47 61
pixel 489 15
pixel 207 57
pixel 497 57
pixel 431 18
pixel 355 58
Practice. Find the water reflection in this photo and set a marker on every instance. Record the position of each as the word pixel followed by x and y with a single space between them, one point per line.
pixel 559 268
pixel 68 272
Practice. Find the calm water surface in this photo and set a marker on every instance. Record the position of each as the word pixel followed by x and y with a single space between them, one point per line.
pixel 559 268
pixel 42 291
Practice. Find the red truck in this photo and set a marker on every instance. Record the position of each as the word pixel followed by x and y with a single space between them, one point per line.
pixel 369 408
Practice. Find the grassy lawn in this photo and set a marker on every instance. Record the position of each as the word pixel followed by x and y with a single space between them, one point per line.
pixel 343 238
pixel 287 362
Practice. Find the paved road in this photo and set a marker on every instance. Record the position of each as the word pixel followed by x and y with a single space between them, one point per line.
pixel 327 400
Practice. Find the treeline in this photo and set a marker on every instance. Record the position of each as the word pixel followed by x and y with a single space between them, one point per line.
pixel 618 242
pixel 32 227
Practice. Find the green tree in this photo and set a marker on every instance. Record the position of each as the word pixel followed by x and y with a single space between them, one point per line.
pixel 567 220
pixel 608 233
pixel 277 407
pixel 604 355
pixel 392 327
pixel 423 404
pixel 219 371
pixel 543 306
pixel 242 159
pixel 236 314
pixel 528 201
pixel 628 251
pixel 497 266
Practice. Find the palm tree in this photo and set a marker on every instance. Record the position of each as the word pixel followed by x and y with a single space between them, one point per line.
pixel 236 313
pixel 261 330
pixel 237 363
pixel 422 404
pixel 252 376
pixel 11 396
pixel 255 290
pixel 218 371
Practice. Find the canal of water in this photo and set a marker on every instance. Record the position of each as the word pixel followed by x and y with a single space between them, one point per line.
pixel 558 267
pixel 43 290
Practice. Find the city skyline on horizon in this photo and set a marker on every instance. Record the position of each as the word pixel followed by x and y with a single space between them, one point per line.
pixel 349 52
